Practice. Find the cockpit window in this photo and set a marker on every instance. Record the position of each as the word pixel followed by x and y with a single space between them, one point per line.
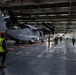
pixel 15 27
pixel 18 27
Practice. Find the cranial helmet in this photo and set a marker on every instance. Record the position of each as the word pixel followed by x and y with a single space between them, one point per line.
pixel 2 34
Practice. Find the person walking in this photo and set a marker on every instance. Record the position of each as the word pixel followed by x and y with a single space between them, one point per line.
pixel 3 50
pixel 56 41
pixel 48 40
pixel 73 41
pixel 60 39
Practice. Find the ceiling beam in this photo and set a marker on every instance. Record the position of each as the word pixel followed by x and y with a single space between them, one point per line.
pixel 47 13
pixel 34 6
pixel 45 17
pixel 45 20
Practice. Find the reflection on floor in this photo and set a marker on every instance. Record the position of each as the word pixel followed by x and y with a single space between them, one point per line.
pixel 41 59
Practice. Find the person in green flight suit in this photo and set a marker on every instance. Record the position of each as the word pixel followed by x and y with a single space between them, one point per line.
pixel 3 50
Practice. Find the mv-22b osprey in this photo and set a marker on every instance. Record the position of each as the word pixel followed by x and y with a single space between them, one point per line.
pixel 19 32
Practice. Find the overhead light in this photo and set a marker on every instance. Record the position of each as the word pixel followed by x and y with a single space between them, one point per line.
pixel 21 22
pixel 73 21
pixel 31 22
pixel 63 7
pixel 50 3
pixel 39 22
pixel 6 0
pixel 63 14
pixel 49 22
pixel 42 15
pixel 51 15
pixel 63 22
pixel 19 16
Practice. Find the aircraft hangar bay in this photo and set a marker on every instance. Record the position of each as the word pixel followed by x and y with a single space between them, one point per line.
pixel 40 36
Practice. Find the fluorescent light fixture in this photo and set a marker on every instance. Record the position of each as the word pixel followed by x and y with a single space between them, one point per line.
pixel 73 21
pixel 42 15
pixel 39 22
pixel 51 15
pixel 63 14
pixel 63 22
pixel 31 22
pixel 19 16
pixel 63 7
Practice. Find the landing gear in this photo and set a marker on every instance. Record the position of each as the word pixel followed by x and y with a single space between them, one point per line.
pixel 17 41
pixel 31 41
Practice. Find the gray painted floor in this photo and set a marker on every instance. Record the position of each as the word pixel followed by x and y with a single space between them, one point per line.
pixel 41 59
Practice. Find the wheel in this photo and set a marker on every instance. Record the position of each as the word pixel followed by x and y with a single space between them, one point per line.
pixel 42 41
pixel 31 41
pixel 17 41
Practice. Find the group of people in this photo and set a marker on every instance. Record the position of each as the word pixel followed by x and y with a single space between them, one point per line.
pixel 56 40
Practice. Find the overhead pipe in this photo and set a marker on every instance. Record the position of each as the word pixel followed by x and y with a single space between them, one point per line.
pixel 48 26
pixel 46 30
pixel 69 11
pixel 52 27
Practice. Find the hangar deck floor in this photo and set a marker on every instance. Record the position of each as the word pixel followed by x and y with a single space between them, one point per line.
pixel 41 59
